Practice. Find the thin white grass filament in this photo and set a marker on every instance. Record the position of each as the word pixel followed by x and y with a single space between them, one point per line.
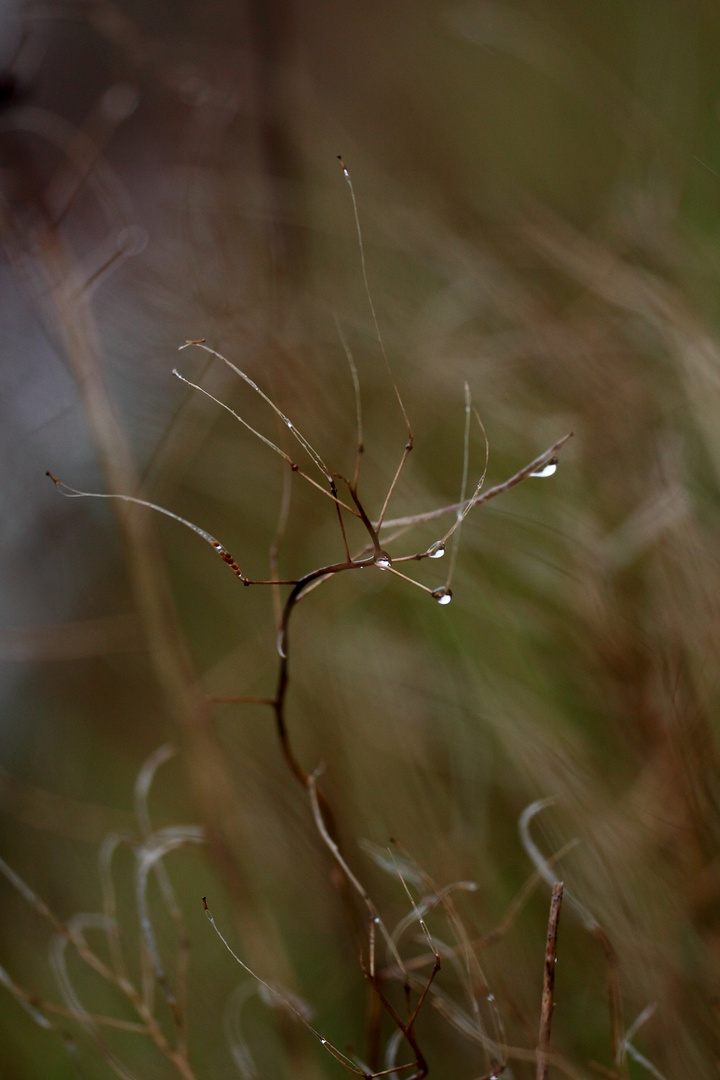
pixel 239 1045
pixel 391 1050
pixel 144 782
pixel 465 505
pixel 148 982
pixel 474 975
pixel 379 856
pixel 60 942
pixel 358 400
pixel 22 1000
pixel 253 431
pixel 307 447
pixel 628 1046
pixel 645 1062
pixel 461 512
pixel 542 865
pixel 72 933
pixel 32 897
pixel 327 491
pixel 532 850
pixel 155 848
pixel 368 292
pixel 526 891
pixel 106 853
pixel 466 451
pixel 472 1029
pixel 470 972
pixel 356 884
pixel 273 1001
pixel 418 915
pixel 337 1054
pixel 644 1016
pixel 429 903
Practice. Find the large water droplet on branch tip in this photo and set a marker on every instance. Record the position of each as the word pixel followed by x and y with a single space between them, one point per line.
pixel 383 560
pixel 437 550
pixel 443 595
pixel 547 469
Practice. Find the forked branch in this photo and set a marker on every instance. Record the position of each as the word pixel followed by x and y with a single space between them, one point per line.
pixel 372 556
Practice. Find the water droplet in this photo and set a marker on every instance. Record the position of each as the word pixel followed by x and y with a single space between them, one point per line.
pixel 548 468
pixel 383 560
pixel 289 424
pixel 324 1042
pixel 436 550
pixel 491 997
pixel 443 595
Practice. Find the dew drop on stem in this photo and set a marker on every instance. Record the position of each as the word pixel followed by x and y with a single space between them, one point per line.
pixel 436 550
pixel 547 469
pixel 443 595
pixel 383 560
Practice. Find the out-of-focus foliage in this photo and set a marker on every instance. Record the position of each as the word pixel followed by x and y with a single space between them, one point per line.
pixel 539 191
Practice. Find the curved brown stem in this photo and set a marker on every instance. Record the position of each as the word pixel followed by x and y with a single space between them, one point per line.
pixel 278 702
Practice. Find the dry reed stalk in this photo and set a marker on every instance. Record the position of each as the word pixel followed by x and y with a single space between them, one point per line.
pixel 548 1001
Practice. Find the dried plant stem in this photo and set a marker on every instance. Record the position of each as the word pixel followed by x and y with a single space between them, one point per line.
pixel 372 555
pixel 546 1010
pixel 499 489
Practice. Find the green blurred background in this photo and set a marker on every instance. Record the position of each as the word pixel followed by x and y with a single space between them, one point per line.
pixel 539 190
